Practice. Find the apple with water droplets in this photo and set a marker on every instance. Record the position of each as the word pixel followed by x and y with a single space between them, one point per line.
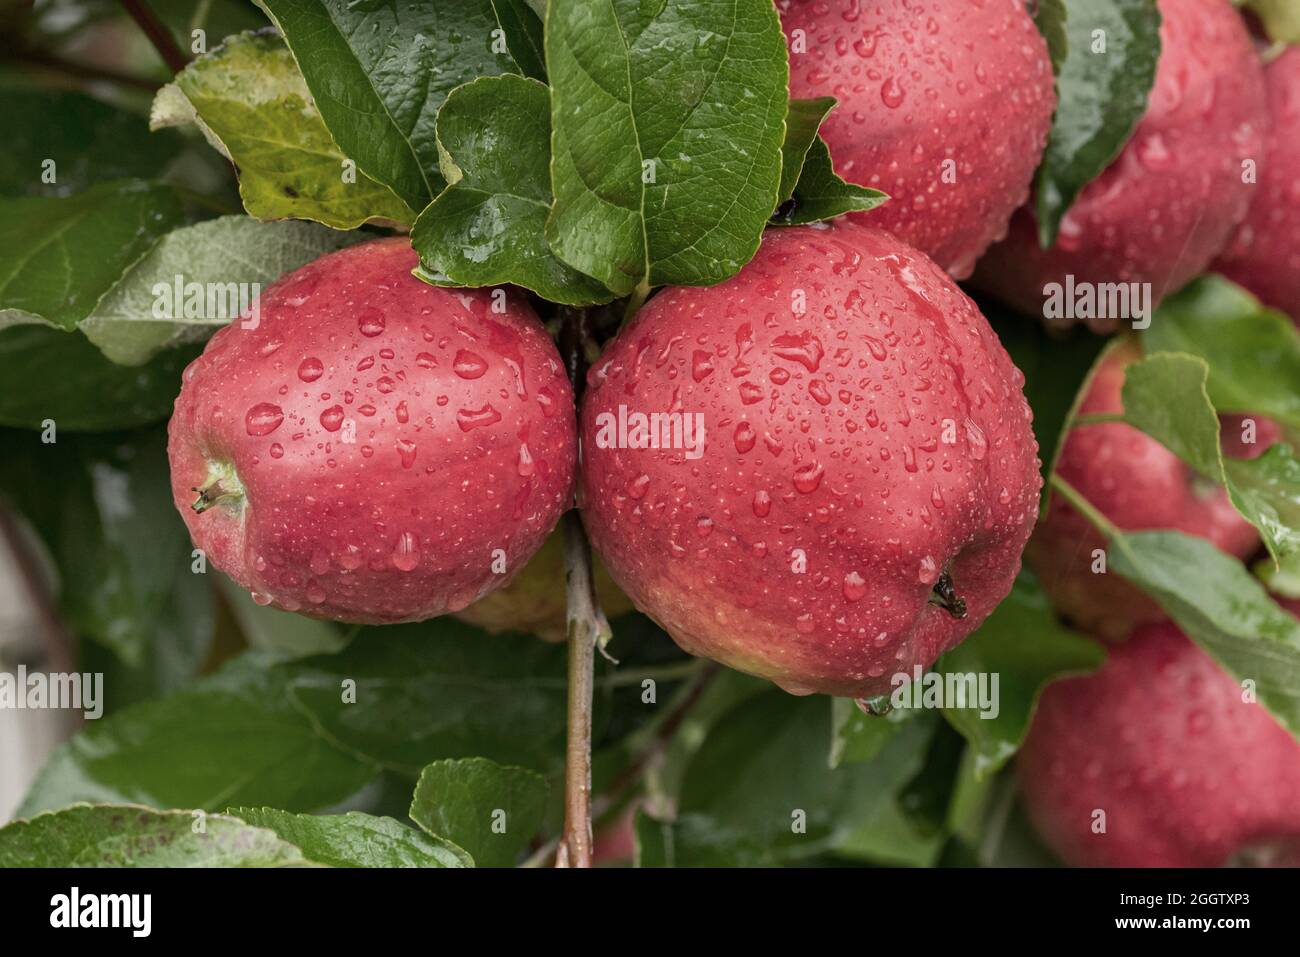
pixel 369 448
pixel 1264 255
pixel 820 471
pixel 1161 759
pixel 1163 210
pixel 1137 484
pixel 944 106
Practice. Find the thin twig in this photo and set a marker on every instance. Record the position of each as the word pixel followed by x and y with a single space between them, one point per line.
pixel 575 849
pixel 586 625
pixel 158 34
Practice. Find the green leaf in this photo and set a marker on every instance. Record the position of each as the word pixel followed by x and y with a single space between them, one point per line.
pixel 1102 96
pixel 1050 20
pixel 491 810
pixel 1253 353
pixel 1027 648
pixel 759 791
pixel 1281 18
pixel 693 98
pixel 355 839
pixel 820 194
pixel 122 553
pixel 1222 608
pixel 132 836
pixel 1280 578
pixel 232 738
pixel 857 736
pixel 488 227
pixel 1165 396
pixel 59 255
pixel 521 21
pixel 133 322
pixel 802 121
pixel 250 101
pixel 380 71
pixel 722 691
pixel 439 689
pixel 280 634
pixel 59 377
pixel 87 140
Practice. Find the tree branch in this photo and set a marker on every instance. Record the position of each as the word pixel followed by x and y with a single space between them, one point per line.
pixel 157 33
pixel 586 626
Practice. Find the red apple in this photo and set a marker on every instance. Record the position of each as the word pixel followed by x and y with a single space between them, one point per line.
pixel 946 107
pixel 1138 484
pixel 1264 255
pixel 1166 207
pixel 865 475
pixel 376 449
pixel 1160 749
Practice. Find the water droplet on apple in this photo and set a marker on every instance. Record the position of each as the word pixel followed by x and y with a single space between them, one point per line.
pixel 311 369
pixel 526 465
pixel 263 419
pixel 745 437
pixel 371 322
pixel 469 419
pixel 701 365
pixel 332 418
pixel 808 477
pixel 469 365
pixel 406 553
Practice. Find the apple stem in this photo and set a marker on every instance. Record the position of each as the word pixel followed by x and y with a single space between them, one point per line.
pixel 211 494
pixel 1084 507
pixel 945 596
pixel 635 302
pixel 1098 418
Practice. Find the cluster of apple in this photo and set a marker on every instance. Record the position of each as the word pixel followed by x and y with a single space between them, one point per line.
pixel 866 478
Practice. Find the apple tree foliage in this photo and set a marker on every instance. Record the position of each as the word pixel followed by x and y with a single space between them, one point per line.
pixel 586 153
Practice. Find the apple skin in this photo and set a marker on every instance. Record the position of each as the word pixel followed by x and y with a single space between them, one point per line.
pixel 1166 207
pixel 534 601
pixel 882 431
pixel 961 82
pixel 464 441
pixel 1188 774
pixel 1264 255
pixel 1138 484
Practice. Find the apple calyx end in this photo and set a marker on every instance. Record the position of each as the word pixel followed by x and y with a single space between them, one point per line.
pixel 222 485
pixel 945 596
